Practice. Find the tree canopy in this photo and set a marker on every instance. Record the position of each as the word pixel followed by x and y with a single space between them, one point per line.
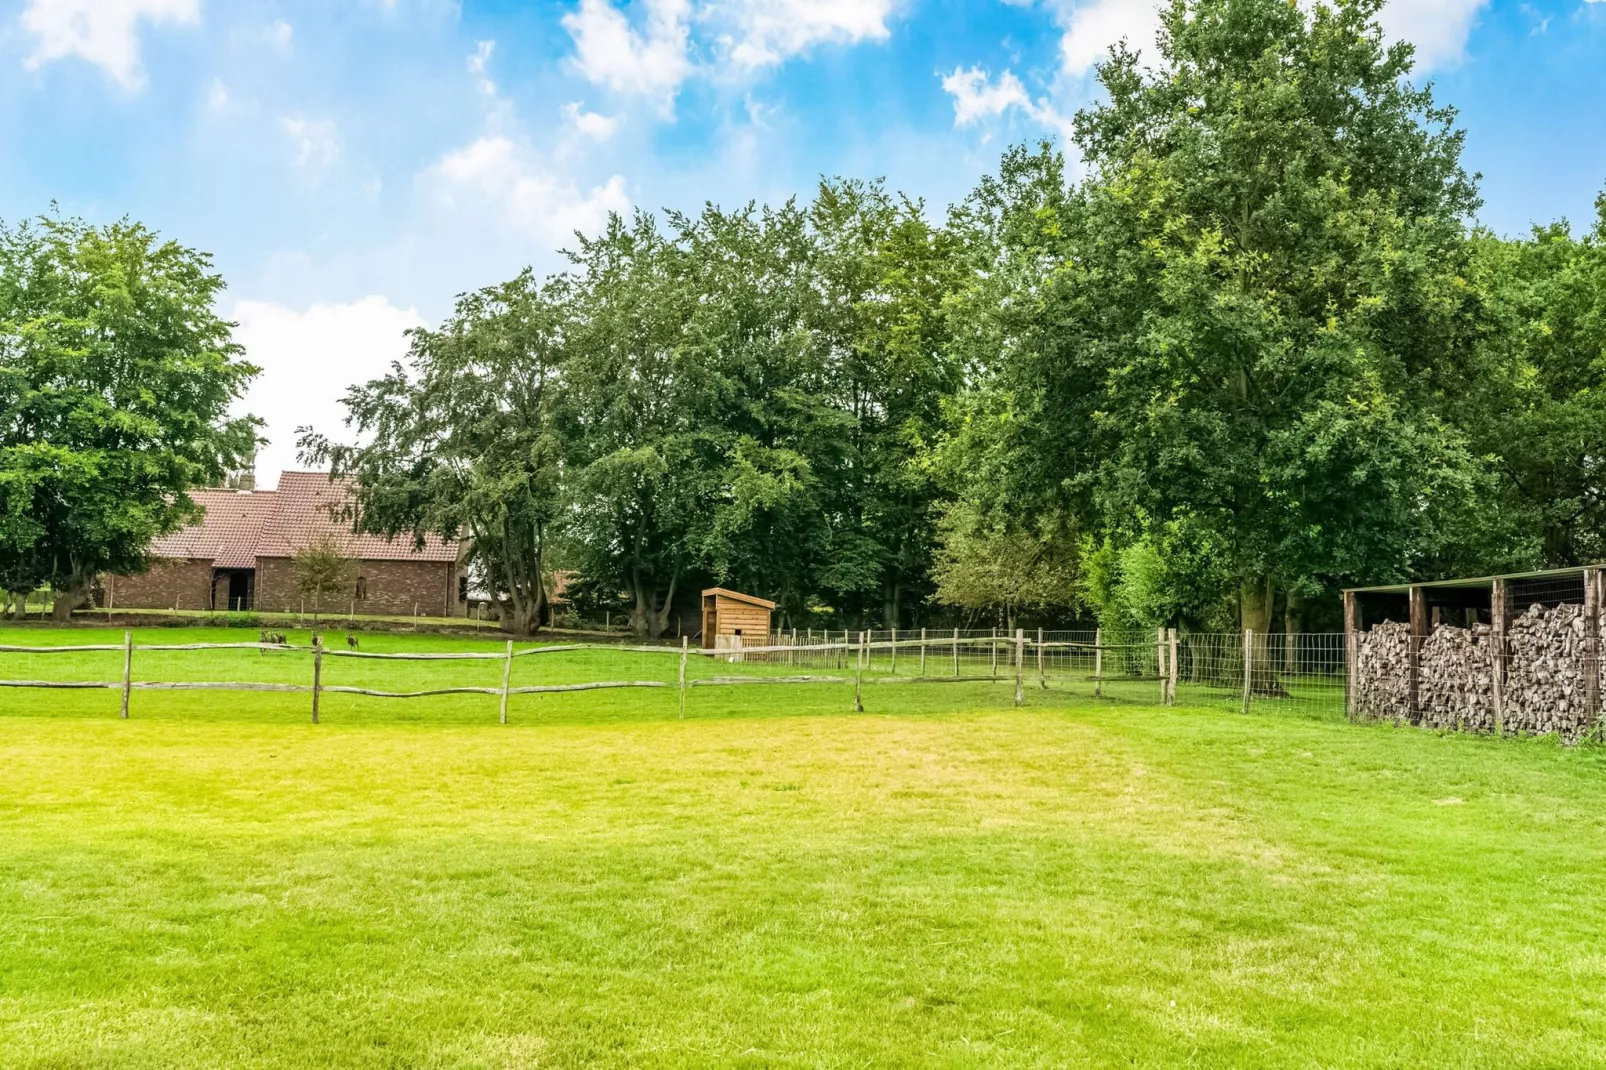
pixel 1251 348
pixel 117 378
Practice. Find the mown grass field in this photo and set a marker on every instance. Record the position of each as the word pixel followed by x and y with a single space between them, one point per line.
pixel 777 881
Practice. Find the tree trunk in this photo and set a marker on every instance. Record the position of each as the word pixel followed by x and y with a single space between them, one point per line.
pixel 1255 600
pixel 1293 614
pixel 65 601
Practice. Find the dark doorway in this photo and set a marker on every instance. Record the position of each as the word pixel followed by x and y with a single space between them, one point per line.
pixel 240 590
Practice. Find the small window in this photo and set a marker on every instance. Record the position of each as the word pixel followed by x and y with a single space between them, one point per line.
pixel 362 588
pixel 462 588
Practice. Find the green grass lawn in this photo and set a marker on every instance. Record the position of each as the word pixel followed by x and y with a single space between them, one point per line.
pixel 777 881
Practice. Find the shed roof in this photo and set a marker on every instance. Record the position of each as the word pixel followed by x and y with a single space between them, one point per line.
pixel 240 526
pixel 739 597
pixel 1480 581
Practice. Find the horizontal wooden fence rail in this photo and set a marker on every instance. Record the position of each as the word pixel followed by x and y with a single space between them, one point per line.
pixel 857 660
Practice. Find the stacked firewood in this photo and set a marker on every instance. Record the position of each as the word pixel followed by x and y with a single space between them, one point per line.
pixel 1383 673
pixel 1456 688
pixel 1545 672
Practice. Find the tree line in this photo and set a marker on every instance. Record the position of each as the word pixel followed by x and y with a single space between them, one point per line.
pixel 1240 344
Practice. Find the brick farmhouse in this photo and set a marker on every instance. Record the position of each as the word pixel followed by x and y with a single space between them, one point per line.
pixel 241 557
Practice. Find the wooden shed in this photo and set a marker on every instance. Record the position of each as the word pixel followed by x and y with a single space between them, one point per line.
pixel 728 615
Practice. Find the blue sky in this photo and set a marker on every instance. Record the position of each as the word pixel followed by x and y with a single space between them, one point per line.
pixel 353 164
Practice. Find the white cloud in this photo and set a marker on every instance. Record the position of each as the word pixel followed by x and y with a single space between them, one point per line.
pixel 649 62
pixel 1438 28
pixel 762 33
pixel 217 97
pixel 308 360
pixel 594 126
pixel 316 143
pixel 512 182
pixel 977 98
pixel 479 64
pixel 103 32
pixel 1093 26
pixel 281 33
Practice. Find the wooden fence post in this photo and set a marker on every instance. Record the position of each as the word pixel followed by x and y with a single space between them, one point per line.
pixel 922 653
pixel 1098 663
pixel 1249 643
pixel 317 674
pixel 1042 671
pixel 956 653
pixel 1419 633
pixel 894 652
pixel 993 649
pixel 507 678
pixel 1352 651
pixel 1498 613
pixel 858 679
pixel 128 669
pixel 1159 661
pixel 1171 643
pixel 685 645
pixel 1020 667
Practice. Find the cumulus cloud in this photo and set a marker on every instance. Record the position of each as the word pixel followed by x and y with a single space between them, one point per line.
pixel 514 183
pixel 650 61
pixel 761 33
pixel 103 32
pixel 978 97
pixel 316 143
pixel 589 123
pixel 309 357
pixel 1438 28
pixel 479 66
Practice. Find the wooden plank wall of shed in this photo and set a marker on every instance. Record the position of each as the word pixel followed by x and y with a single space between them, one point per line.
pixel 752 621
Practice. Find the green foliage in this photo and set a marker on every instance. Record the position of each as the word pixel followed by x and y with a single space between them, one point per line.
pixel 1235 331
pixel 984 566
pixel 465 440
pixel 116 380
pixel 323 571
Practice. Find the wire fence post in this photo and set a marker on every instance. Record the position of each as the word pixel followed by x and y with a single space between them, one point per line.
pixel 128 669
pixel 1249 642
pixel 1042 671
pixel 317 674
pixel 895 652
pixel 993 650
pixel 1098 663
pixel 922 653
pixel 858 679
pixel 956 653
pixel 1020 667
pixel 1171 643
pixel 685 645
pixel 1159 660
pixel 507 677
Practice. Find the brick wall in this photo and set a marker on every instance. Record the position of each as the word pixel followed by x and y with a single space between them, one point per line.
pixel 394 588
pixel 166 585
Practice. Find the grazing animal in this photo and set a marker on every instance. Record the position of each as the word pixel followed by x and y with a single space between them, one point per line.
pixel 351 642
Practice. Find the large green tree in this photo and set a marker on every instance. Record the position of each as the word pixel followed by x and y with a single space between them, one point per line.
pixel 117 377
pixel 1242 323
pixel 464 440
pixel 1535 402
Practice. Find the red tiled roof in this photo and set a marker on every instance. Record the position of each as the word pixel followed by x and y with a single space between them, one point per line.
pixel 228 534
pixel 240 527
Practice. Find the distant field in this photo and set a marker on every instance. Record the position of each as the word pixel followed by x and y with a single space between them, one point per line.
pixel 776 881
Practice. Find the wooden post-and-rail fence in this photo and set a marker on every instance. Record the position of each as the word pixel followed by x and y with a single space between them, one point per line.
pixel 860 649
